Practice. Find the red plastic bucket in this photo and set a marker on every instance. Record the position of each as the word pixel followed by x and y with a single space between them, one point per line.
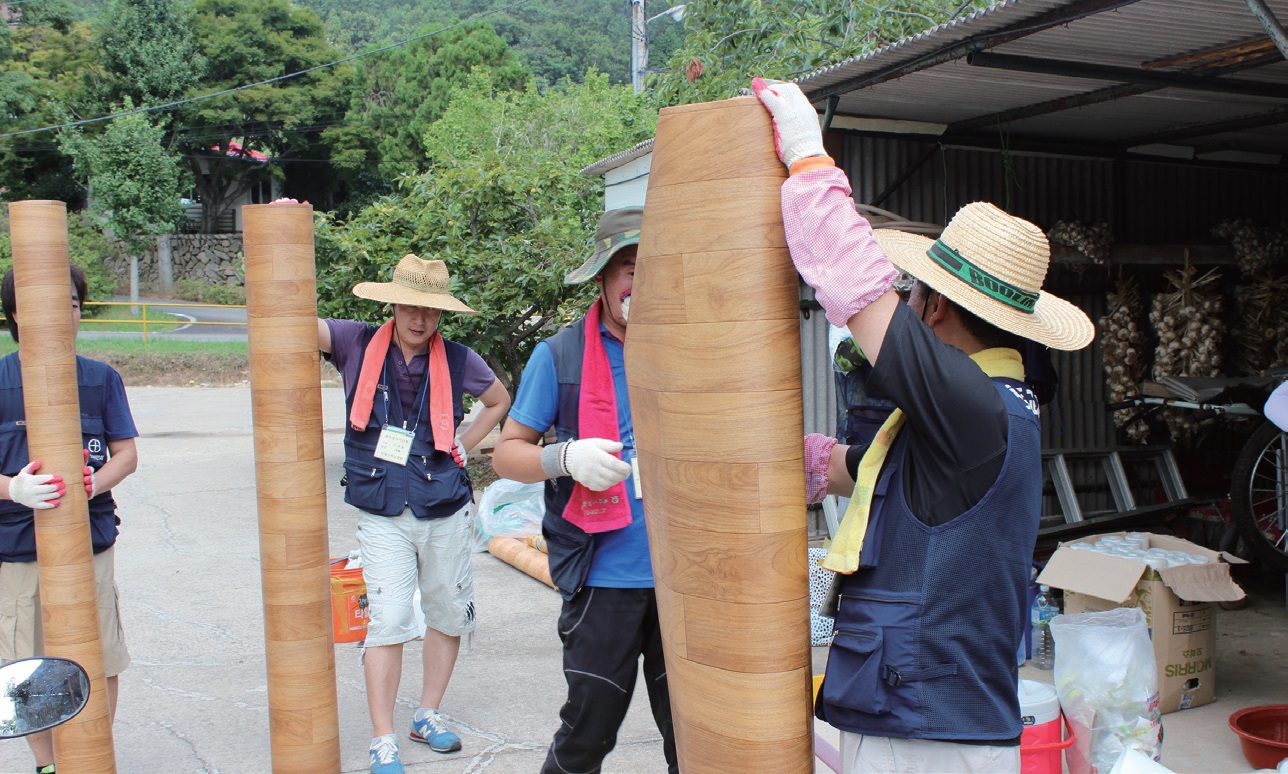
pixel 1042 742
pixel 348 602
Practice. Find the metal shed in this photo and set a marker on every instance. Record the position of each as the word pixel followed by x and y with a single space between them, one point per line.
pixel 1159 118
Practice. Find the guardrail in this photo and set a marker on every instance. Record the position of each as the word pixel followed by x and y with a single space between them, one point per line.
pixel 144 321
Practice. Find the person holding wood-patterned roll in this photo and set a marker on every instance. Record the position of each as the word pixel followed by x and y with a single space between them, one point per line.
pixel 933 554
pixel 404 387
pixel 108 433
pixel 575 384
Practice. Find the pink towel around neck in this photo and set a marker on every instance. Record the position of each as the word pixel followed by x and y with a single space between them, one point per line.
pixel 440 385
pixel 597 418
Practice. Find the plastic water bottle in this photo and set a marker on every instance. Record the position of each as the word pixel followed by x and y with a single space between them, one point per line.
pixel 1044 609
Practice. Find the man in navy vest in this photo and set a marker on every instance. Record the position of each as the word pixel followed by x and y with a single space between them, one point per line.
pixel 405 470
pixel 575 384
pixel 933 554
pixel 108 432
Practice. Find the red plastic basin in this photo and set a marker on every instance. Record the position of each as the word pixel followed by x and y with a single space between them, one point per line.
pixel 1263 732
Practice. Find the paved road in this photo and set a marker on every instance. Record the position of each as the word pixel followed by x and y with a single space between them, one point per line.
pixel 195 321
pixel 195 697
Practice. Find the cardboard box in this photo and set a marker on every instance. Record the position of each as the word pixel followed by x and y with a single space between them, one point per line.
pixel 1178 602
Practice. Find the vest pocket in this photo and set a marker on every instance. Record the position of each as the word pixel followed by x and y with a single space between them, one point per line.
pixel 365 486
pixel 854 672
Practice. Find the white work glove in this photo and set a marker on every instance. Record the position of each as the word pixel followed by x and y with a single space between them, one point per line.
pixel 592 463
pixel 36 490
pixel 797 134
pixel 458 452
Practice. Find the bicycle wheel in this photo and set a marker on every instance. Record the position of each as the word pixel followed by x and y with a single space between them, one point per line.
pixel 1259 495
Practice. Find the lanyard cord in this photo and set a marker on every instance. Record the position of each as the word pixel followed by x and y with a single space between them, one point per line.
pixel 424 392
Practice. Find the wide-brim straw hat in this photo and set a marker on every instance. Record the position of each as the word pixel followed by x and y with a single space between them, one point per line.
pixel 416 282
pixel 617 229
pixel 993 265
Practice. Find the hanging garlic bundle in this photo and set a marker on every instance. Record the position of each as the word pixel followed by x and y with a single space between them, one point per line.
pixel 1262 336
pixel 1091 241
pixel 1121 343
pixel 1255 247
pixel 1187 319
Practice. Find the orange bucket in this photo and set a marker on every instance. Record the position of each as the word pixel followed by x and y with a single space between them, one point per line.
pixel 348 602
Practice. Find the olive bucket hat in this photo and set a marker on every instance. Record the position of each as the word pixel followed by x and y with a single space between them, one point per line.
pixel 616 229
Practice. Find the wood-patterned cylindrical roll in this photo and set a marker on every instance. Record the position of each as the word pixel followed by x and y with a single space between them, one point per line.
pixel 714 367
pixel 64 546
pixel 522 557
pixel 290 479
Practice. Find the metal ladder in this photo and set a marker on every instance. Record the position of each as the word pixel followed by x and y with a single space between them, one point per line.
pixel 1056 462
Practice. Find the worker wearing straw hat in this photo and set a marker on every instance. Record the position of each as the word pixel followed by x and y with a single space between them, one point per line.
pixel 934 551
pixel 405 470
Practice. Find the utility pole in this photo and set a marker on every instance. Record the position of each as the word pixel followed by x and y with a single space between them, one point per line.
pixel 639 45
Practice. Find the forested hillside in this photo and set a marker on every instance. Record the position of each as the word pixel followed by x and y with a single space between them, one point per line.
pixel 556 38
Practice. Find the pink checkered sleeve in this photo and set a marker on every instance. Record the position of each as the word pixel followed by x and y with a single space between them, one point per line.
pixel 832 244
pixel 818 456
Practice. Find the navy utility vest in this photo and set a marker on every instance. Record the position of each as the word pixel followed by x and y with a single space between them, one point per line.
pixel 569 547
pixel 431 482
pixel 17 528
pixel 905 661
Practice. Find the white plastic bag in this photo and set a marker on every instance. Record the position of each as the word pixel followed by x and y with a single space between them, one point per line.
pixel 1107 680
pixel 508 509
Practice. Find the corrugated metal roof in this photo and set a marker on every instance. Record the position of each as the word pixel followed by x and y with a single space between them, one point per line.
pixel 931 77
pixel 618 159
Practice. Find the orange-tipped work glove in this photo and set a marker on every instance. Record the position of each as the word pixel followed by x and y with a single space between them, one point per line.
pixel 458 452
pixel 36 490
pixel 797 134
pixel 91 484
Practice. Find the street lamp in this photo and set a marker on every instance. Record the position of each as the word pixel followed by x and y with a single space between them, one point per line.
pixel 639 38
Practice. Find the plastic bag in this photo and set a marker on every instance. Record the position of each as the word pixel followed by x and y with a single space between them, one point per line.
pixel 1107 680
pixel 508 509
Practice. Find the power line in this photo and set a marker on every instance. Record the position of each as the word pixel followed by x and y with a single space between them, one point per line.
pixel 190 100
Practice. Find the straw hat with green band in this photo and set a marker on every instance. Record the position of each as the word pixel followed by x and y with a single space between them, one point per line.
pixel 617 229
pixel 993 264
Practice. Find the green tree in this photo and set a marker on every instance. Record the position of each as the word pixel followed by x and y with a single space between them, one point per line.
pixel 135 183
pixel 503 203
pixel 49 68
pixel 149 51
pixel 731 41
pixel 400 92
pixel 248 42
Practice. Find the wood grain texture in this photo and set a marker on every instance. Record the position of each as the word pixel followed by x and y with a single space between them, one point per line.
pixel 290 478
pixel 522 557
pixel 47 349
pixel 714 370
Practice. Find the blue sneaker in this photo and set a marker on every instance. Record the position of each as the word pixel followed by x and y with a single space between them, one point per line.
pixel 384 756
pixel 433 731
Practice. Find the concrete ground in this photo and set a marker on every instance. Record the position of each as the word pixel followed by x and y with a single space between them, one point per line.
pixel 195 697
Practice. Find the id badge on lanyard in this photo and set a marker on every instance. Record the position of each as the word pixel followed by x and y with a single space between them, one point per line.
pixel 394 444
pixel 635 475
pixel 631 455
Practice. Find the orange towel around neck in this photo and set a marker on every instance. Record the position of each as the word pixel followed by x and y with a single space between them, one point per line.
pixel 440 386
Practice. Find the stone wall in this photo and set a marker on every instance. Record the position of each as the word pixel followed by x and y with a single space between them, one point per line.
pixel 212 258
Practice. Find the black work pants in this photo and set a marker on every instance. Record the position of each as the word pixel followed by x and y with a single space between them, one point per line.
pixel 604 633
